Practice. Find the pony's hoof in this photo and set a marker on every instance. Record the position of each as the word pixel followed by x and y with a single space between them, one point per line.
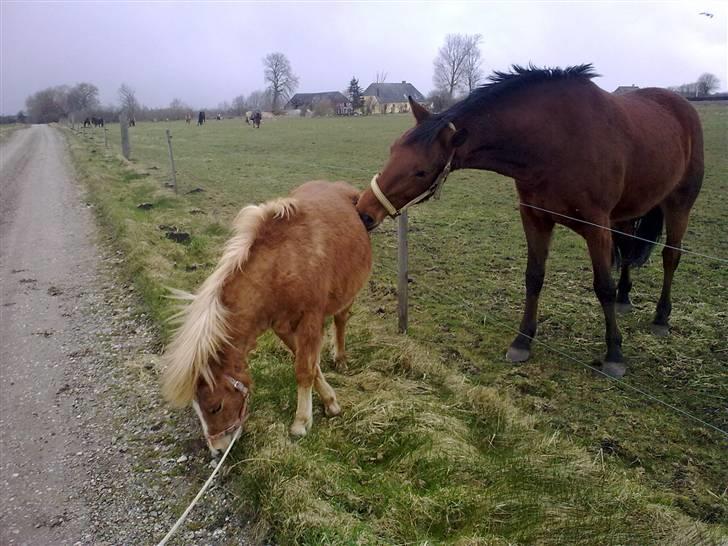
pixel 614 369
pixel 332 410
pixel 660 330
pixel 340 363
pixel 515 354
pixel 299 430
pixel 623 308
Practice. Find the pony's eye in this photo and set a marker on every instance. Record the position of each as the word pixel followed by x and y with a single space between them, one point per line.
pixel 218 409
pixel 420 174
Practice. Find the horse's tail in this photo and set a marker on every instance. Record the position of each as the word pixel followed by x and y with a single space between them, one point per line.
pixel 634 251
pixel 203 330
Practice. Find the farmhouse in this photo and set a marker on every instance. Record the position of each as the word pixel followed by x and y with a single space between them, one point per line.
pixel 388 98
pixel 340 104
pixel 624 89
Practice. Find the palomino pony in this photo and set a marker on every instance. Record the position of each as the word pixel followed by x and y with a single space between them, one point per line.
pixel 290 264
pixel 580 157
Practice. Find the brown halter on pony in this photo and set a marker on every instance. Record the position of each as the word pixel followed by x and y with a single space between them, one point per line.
pixel 433 190
pixel 242 389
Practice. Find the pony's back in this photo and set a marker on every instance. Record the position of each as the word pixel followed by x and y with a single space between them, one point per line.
pixel 314 259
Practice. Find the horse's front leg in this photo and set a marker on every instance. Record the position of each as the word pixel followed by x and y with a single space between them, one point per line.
pixel 309 337
pixel 538 232
pixel 599 242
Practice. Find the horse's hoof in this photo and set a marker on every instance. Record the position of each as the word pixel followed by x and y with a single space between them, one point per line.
pixel 515 354
pixel 660 330
pixel 623 308
pixel 340 363
pixel 332 410
pixel 614 369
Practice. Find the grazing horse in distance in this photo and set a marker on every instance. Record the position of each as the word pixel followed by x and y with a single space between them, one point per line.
pixel 291 263
pixel 580 157
pixel 188 118
pixel 255 118
pixel 87 122
pixel 98 122
pixel 201 118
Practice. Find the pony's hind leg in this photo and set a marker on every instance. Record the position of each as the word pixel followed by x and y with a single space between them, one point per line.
pixel 538 236
pixel 676 222
pixel 326 393
pixel 340 320
pixel 309 337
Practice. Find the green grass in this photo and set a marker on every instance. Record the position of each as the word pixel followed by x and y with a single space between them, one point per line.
pixel 7 130
pixel 440 440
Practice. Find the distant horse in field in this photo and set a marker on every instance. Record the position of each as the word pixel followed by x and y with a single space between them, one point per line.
pixel 188 118
pixel 98 122
pixel 201 118
pixel 291 263
pixel 87 122
pixel 580 157
pixel 132 122
pixel 255 119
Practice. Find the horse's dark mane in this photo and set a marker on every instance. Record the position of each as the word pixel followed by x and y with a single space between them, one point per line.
pixel 500 83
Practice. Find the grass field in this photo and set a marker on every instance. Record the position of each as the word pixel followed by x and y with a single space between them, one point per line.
pixel 452 444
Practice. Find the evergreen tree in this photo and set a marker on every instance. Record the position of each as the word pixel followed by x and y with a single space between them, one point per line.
pixel 357 101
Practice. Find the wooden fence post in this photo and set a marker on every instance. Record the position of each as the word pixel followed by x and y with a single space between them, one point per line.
pixel 106 138
pixel 402 272
pixel 125 149
pixel 171 161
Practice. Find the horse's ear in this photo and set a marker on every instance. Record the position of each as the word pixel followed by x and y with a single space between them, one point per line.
pixel 458 138
pixel 418 111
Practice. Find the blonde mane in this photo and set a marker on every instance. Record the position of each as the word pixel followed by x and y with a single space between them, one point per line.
pixel 204 328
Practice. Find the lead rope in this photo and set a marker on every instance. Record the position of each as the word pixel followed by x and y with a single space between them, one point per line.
pixel 202 491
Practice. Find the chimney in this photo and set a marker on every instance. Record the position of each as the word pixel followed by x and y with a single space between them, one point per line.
pixel 404 81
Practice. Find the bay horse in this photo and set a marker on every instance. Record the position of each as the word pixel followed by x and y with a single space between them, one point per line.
pixel 201 118
pixel 255 118
pixel 580 157
pixel 291 263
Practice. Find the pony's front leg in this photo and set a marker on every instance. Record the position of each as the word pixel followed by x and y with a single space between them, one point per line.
pixel 308 348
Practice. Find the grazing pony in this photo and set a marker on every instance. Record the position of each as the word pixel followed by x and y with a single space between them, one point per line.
pixel 580 157
pixel 255 118
pixel 291 263
pixel 87 122
pixel 188 118
pixel 200 118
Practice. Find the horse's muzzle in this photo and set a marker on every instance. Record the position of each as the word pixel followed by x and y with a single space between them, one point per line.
pixel 368 221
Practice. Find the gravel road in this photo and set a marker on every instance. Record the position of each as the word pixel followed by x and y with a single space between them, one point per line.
pixel 88 453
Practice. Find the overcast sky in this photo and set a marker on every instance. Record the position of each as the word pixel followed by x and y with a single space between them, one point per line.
pixel 208 53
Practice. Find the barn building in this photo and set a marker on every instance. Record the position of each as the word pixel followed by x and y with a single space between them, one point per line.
pixel 390 98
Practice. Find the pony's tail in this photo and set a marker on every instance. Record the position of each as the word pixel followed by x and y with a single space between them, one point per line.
pixel 634 252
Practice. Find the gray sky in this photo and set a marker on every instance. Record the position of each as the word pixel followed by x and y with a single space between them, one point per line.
pixel 208 53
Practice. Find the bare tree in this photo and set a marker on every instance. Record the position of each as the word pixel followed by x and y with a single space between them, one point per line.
pixel 48 105
pixel 472 72
pixel 278 74
pixel 452 59
pixel 238 105
pixel 381 77
pixel 83 97
pixel 129 103
pixel 259 100
pixel 707 83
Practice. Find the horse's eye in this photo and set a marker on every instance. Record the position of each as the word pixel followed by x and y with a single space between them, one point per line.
pixel 420 174
pixel 218 409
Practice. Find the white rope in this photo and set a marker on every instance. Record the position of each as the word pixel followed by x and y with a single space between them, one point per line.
pixel 184 515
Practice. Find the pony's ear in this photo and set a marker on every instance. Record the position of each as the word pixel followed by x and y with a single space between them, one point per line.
pixel 418 111
pixel 458 138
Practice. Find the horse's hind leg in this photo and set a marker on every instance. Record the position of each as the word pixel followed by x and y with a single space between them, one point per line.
pixel 340 320
pixel 676 222
pixel 309 337
pixel 538 235
pixel 599 242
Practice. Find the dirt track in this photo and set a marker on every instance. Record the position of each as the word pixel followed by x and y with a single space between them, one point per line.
pixel 88 454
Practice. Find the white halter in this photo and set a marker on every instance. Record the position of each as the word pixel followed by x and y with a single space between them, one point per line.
pixel 433 190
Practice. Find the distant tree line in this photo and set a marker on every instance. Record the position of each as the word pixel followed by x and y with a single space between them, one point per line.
pixel 704 86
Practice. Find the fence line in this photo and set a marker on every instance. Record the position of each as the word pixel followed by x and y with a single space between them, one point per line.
pixel 621 382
